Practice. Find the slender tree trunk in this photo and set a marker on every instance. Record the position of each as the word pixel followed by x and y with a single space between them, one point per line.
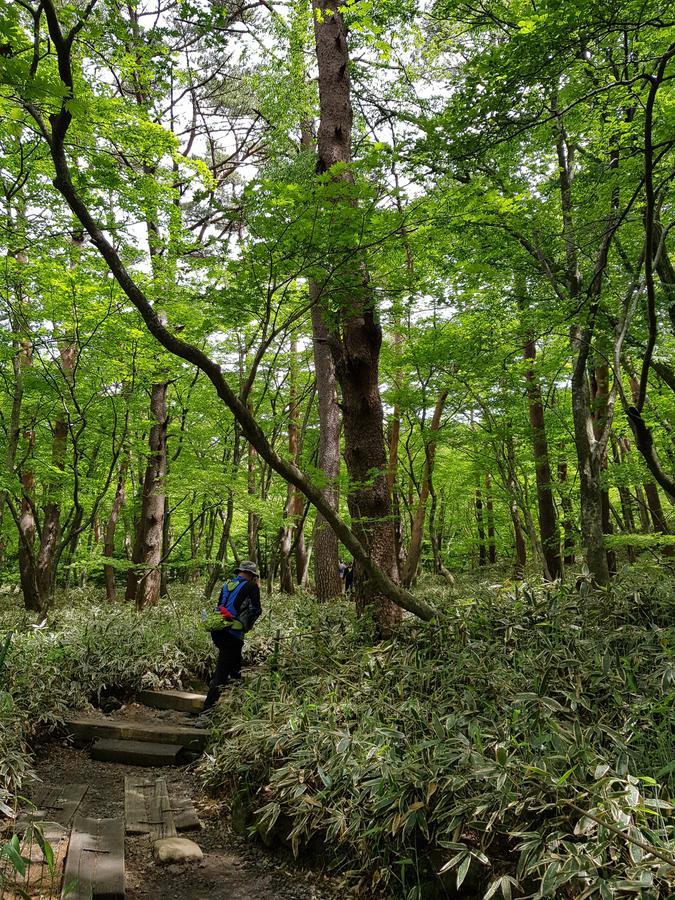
pixel 50 533
pixel 492 549
pixel 253 518
pixel 111 527
pixel 520 561
pixel 567 522
pixel 548 523
pixel 482 553
pixel 287 582
pixel 600 396
pixel 643 509
pixel 417 533
pixel 326 553
pixel 144 582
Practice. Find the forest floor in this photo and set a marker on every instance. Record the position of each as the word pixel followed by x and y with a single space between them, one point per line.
pixel 232 867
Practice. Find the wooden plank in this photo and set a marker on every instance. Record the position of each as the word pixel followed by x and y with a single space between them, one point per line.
pixel 137 753
pixel 89 727
pixel 95 861
pixel 138 791
pixel 53 804
pixel 160 816
pixel 184 701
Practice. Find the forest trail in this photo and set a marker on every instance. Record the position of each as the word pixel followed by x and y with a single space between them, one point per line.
pixel 232 868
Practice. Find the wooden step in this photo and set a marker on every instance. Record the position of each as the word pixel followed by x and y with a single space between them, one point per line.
pixel 53 804
pixel 147 808
pixel 90 727
pixel 140 793
pixel 95 860
pixel 137 753
pixel 184 701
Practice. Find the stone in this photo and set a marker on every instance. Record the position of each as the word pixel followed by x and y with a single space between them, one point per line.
pixel 176 850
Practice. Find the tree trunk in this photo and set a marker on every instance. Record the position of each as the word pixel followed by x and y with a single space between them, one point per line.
pixel 548 523
pixel 482 553
pixel 512 489
pixel 326 551
pixel 658 518
pixel 567 523
pixel 357 339
pixel 492 549
pixel 287 582
pixel 417 533
pixel 599 397
pixel 253 518
pixel 51 531
pixel 111 527
pixel 144 582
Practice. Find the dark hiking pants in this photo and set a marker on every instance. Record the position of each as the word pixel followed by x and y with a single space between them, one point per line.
pixel 228 665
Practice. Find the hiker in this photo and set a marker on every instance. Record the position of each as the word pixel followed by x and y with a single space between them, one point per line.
pixel 239 604
pixel 342 568
pixel 349 578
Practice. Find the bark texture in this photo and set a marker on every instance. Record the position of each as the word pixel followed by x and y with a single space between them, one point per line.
pixel 357 338
pixel 548 521
pixel 144 579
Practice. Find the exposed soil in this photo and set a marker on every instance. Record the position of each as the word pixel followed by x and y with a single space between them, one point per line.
pixel 232 868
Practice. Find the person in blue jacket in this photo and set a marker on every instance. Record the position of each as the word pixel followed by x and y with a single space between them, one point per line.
pixel 239 605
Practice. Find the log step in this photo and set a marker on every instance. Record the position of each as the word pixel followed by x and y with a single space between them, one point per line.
pixel 90 727
pixel 95 860
pixel 137 753
pixel 142 800
pixel 184 701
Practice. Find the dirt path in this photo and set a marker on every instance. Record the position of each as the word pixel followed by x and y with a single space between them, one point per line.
pixel 232 869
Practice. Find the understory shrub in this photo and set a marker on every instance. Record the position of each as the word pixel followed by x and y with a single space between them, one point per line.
pixel 523 746
pixel 86 649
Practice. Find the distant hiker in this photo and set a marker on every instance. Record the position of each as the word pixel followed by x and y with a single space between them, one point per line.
pixel 239 605
pixel 349 577
pixel 342 568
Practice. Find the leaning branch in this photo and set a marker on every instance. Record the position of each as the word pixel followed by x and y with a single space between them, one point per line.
pixel 250 428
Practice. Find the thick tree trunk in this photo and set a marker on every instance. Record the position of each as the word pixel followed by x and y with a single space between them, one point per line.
pixel 356 341
pixel 144 582
pixel 417 533
pixel 548 523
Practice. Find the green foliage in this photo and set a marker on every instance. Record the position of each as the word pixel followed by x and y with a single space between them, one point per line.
pixel 87 649
pixel 471 748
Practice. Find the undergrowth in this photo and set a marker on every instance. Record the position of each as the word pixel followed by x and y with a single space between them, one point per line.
pixel 495 754
pixel 85 650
